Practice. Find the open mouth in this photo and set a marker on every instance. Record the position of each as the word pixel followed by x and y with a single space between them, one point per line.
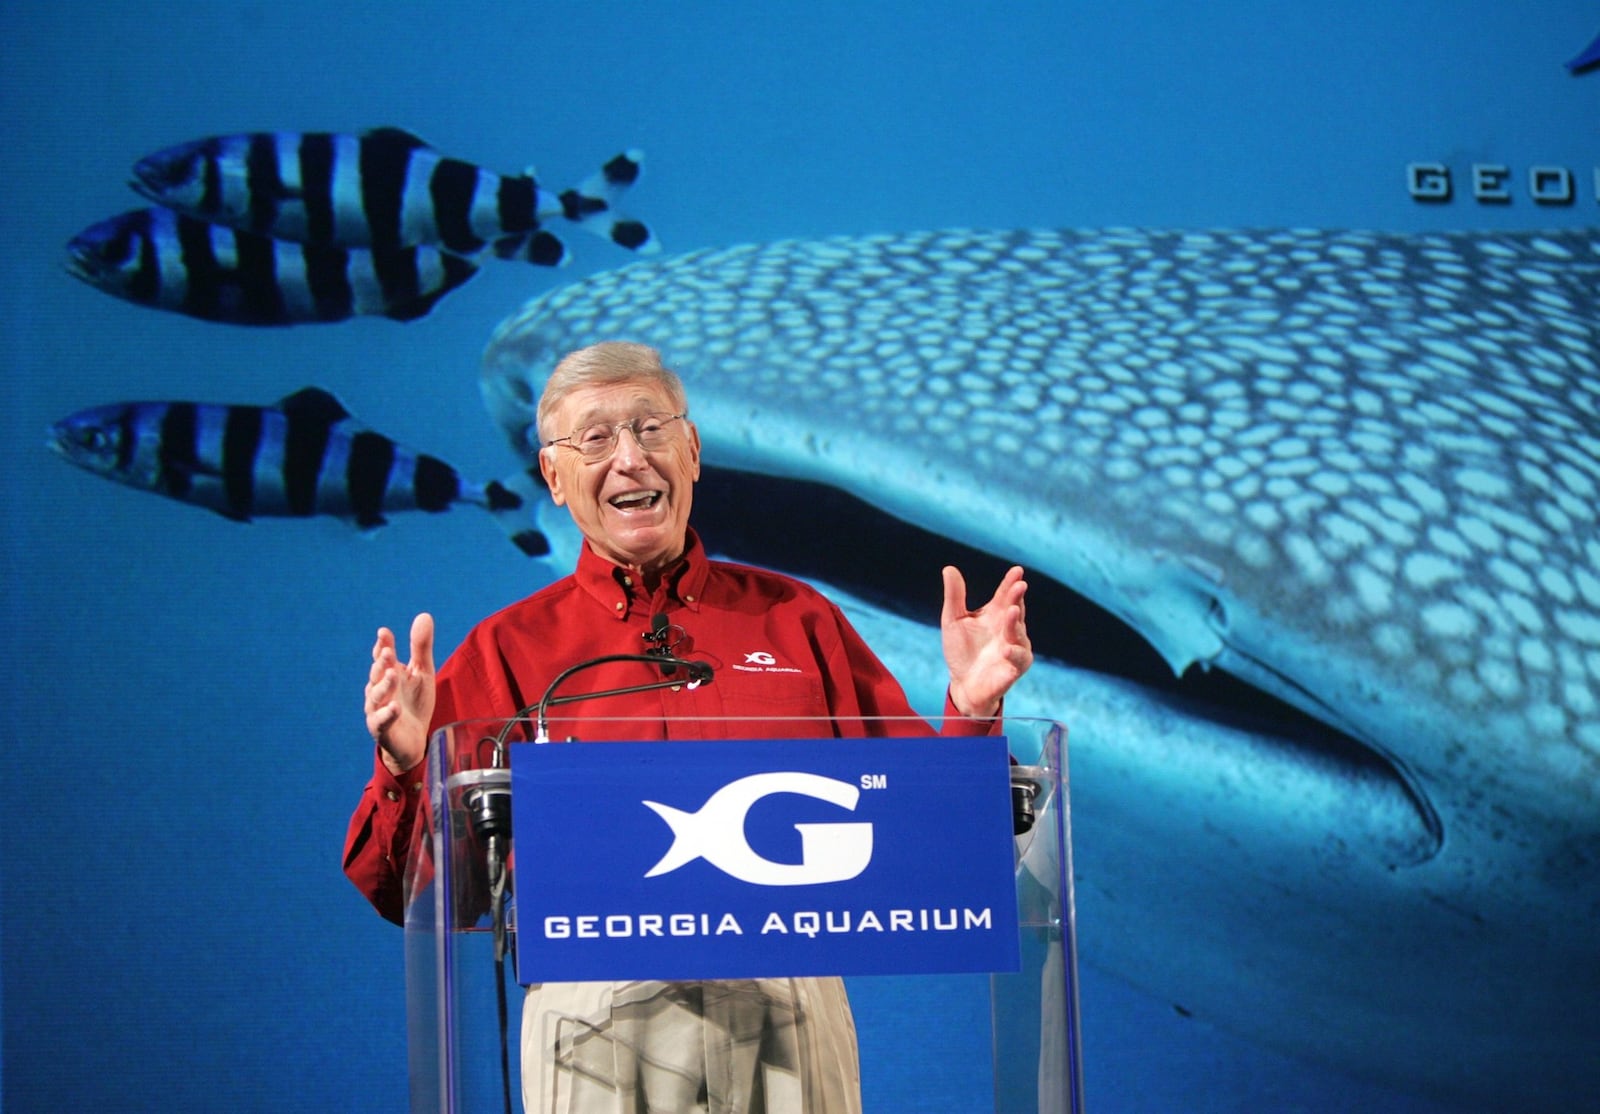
pixel 147 182
pixel 814 531
pixel 636 500
pixel 811 530
pixel 81 261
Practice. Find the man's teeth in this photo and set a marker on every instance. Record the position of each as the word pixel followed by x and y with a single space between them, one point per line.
pixel 634 500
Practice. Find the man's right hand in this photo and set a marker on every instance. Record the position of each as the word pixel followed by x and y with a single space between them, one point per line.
pixel 399 698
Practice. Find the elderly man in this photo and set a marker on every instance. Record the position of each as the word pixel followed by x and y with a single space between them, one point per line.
pixel 620 453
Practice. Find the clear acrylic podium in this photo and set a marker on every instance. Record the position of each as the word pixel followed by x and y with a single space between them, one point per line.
pixel 1007 1041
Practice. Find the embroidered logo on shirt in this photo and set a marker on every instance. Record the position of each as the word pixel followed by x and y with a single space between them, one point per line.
pixel 761 661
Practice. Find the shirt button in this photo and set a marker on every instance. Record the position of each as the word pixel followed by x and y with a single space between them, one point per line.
pixel 688 599
pixel 391 794
pixel 619 605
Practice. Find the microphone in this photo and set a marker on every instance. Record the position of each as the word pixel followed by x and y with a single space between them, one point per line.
pixel 657 636
pixel 699 673
pixel 487 793
pixel 658 629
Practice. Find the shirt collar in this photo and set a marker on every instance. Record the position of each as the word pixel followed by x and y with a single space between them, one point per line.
pixel 617 590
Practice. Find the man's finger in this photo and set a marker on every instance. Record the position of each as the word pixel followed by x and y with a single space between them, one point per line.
pixel 422 642
pixel 955 595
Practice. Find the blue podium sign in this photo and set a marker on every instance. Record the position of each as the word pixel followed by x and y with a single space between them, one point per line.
pixel 763 858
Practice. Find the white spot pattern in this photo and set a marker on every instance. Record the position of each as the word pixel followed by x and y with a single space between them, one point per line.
pixel 1390 443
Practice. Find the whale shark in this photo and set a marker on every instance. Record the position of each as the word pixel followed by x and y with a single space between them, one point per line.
pixel 1310 518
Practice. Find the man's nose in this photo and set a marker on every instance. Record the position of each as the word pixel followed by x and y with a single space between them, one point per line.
pixel 629 453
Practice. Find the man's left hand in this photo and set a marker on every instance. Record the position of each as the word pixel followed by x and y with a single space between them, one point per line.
pixel 987 649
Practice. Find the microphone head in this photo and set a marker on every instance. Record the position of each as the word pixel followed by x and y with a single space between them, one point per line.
pixel 657 634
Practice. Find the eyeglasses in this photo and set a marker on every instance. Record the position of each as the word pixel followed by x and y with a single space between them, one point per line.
pixel 598 441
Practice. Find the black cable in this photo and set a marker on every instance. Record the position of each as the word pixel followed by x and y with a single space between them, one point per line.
pixel 497 912
pixel 491 811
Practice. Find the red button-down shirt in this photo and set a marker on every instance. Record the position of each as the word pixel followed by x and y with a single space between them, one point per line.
pixel 782 654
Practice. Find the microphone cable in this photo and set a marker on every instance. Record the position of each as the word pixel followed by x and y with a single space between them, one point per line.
pixel 489 803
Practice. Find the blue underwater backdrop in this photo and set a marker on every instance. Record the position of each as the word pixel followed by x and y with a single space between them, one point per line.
pixel 185 741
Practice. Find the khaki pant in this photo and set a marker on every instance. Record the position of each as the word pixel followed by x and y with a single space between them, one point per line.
pixel 748 1046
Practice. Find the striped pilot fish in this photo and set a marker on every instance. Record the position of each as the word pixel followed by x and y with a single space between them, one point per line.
pixel 304 456
pixel 382 189
pixel 161 259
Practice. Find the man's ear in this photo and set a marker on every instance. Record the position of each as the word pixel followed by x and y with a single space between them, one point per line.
pixel 552 475
pixel 694 451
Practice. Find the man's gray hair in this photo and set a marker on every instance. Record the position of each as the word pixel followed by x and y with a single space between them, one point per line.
pixel 602 365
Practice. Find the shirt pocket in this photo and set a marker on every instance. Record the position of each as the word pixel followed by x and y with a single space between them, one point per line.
pixel 776 704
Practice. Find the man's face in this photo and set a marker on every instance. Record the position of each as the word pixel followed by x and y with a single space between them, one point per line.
pixel 632 506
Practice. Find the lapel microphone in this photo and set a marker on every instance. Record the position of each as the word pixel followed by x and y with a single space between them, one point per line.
pixel 657 636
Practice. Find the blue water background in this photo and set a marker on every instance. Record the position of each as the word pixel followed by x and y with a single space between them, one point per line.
pixel 184 743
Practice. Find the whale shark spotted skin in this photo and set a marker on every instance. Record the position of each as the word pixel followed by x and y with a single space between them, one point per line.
pixel 1358 471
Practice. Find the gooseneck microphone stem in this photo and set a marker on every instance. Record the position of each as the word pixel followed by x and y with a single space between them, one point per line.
pixel 489 797
pixel 488 801
pixel 699 673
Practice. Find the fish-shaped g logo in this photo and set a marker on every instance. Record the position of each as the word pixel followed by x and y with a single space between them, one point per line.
pixel 833 852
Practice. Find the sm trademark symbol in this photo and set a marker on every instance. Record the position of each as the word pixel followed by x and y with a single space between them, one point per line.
pixel 874 781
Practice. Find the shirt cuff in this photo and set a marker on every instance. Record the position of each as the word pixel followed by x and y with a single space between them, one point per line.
pixel 957 722
pixel 396 796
